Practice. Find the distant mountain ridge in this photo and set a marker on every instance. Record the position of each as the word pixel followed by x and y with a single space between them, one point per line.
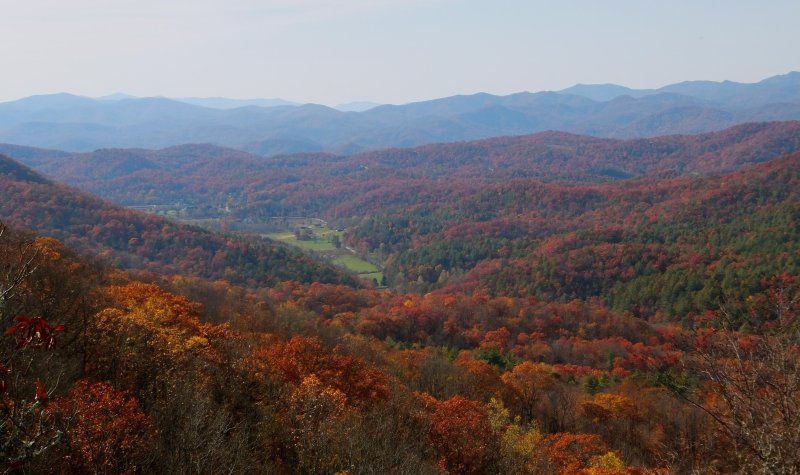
pixel 77 124
pixel 777 89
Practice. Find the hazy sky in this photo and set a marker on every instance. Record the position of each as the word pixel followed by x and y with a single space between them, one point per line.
pixel 394 51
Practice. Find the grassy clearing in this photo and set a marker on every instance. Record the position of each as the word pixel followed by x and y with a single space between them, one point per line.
pixel 318 245
pixel 285 236
pixel 321 242
pixel 355 264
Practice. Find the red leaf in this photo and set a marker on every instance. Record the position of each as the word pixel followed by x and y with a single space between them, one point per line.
pixel 41 394
pixel 12 329
pixel 34 331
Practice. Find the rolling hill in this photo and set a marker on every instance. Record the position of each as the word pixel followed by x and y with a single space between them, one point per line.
pixel 332 186
pixel 134 240
pixel 668 247
pixel 551 215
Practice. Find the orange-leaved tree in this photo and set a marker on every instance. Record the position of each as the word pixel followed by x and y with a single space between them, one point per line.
pixel 461 434
pixel 105 430
pixel 300 357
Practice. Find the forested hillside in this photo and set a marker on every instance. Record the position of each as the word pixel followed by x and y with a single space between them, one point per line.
pixel 331 186
pixel 651 226
pixel 101 373
pixel 140 241
pixel 666 247
pixel 556 304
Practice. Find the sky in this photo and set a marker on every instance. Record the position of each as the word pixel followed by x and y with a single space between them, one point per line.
pixel 387 51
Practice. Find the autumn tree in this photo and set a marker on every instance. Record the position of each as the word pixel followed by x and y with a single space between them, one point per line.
pixel 461 434
pixel 33 279
pixel 26 428
pixel 751 381
pixel 105 430
pixel 519 443
pixel 528 383
pixel 301 357
pixel 566 453
pixel 148 337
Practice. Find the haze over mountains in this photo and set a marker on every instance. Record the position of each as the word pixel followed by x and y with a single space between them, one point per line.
pixel 216 256
pixel 273 126
pixel 776 89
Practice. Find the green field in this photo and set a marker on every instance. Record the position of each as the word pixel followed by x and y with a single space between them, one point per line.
pixel 364 269
pixel 318 244
pixel 321 242
pixel 355 264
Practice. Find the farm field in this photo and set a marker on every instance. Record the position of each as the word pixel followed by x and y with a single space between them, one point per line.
pixel 319 244
pixel 322 241
pixel 355 264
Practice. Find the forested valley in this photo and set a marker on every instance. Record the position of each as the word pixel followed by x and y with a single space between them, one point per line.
pixel 553 303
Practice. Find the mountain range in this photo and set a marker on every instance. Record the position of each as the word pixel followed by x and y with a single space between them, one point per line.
pixel 777 89
pixel 271 127
pixel 318 184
